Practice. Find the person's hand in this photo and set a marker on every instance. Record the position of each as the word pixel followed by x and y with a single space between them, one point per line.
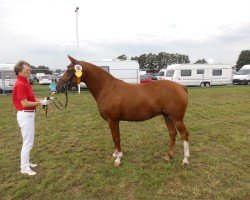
pixel 45 102
pixel 51 98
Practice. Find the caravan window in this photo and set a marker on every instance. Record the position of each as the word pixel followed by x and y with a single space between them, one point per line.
pixel 200 71
pixel 160 73
pixel 217 72
pixel 170 73
pixel 186 72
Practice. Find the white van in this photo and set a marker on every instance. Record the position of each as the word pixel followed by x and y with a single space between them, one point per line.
pixel 7 77
pixel 242 76
pixel 197 74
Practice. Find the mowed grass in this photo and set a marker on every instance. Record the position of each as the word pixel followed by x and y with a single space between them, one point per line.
pixel 73 148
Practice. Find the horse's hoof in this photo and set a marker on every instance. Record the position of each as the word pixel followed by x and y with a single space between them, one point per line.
pixel 185 162
pixel 117 161
pixel 115 154
pixel 117 164
pixel 167 158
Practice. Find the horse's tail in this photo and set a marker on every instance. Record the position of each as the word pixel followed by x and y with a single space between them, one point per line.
pixel 185 88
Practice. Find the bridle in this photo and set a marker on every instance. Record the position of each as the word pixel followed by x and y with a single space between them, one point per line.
pixel 56 102
pixel 65 84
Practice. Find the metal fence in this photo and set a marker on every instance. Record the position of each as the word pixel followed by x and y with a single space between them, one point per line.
pixel 8 78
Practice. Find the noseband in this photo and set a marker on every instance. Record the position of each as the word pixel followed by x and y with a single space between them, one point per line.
pixel 65 84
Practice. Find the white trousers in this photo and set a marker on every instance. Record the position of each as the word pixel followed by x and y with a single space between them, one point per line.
pixel 26 122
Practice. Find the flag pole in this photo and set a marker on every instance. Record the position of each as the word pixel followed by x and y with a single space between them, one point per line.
pixel 77 42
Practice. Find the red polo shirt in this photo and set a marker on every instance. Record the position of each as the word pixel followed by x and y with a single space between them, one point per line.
pixel 22 90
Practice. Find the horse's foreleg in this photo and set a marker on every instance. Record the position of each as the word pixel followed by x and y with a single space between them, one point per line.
pixel 184 134
pixel 172 134
pixel 114 127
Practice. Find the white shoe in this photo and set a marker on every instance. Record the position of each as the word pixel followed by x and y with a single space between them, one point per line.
pixel 33 165
pixel 28 172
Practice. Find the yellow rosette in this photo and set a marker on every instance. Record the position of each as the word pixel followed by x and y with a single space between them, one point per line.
pixel 78 73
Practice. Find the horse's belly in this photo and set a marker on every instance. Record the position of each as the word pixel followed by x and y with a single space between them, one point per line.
pixel 138 117
pixel 140 113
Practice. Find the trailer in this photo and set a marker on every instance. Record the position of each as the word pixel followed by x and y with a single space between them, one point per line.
pixel 127 71
pixel 197 74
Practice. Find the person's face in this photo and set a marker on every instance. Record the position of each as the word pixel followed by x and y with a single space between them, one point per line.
pixel 26 71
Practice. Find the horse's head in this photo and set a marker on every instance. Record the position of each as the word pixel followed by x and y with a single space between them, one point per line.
pixel 69 79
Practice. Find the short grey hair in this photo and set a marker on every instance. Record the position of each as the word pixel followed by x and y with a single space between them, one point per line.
pixel 19 66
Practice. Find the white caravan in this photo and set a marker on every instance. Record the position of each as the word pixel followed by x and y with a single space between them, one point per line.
pixel 242 76
pixel 7 77
pixel 127 71
pixel 197 74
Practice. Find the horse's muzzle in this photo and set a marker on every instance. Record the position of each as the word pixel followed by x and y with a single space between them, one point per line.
pixel 60 88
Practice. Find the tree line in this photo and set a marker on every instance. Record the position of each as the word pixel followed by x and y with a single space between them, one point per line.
pixel 40 69
pixel 154 62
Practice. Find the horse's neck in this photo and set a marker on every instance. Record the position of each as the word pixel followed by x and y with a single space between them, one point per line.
pixel 96 80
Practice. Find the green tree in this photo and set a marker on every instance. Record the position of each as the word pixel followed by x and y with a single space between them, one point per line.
pixel 244 59
pixel 201 61
pixel 40 69
pixel 122 57
pixel 152 62
pixel 142 60
pixel 59 71
pixel 163 60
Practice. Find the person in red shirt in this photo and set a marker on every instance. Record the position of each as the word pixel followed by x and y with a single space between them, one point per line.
pixel 25 103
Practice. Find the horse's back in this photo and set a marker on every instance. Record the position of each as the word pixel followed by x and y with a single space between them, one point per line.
pixel 160 89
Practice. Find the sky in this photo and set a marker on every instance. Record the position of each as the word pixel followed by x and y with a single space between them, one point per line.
pixel 43 32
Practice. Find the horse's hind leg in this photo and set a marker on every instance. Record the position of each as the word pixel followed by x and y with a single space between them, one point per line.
pixel 184 134
pixel 172 134
pixel 114 127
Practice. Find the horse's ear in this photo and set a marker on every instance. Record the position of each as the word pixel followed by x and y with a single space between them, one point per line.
pixel 72 59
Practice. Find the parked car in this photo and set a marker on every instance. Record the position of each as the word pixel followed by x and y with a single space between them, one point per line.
pixel 243 76
pixel 31 79
pixel 54 77
pixel 39 75
pixel 146 78
pixel 83 85
pixel 45 80
pixel 6 85
pixel 154 77
pixel 6 89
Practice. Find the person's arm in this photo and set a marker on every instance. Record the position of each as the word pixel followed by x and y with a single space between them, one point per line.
pixel 28 104
pixel 38 100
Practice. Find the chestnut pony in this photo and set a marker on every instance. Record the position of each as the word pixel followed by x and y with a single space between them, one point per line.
pixel 119 101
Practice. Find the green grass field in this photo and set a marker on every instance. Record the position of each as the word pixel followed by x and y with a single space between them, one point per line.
pixel 73 148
